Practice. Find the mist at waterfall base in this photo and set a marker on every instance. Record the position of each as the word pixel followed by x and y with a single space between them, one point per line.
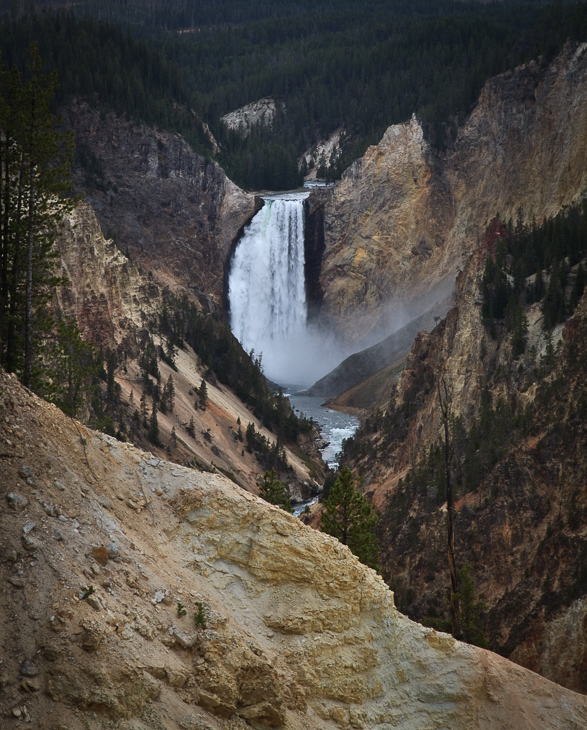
pixel 267 296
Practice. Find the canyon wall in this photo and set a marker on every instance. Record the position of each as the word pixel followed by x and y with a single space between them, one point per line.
pixel 143 594
pixel 105 290
pixel 520 522
pixel 174 212
pixel 400 219
pixel 115 305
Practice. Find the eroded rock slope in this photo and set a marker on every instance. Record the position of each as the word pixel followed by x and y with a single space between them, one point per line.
pixel 102 548
pixel 175 212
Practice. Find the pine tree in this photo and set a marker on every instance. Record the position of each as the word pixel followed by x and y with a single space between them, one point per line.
pixel 470 609
pixel 70 364
pixel 202 395
pixel 191 428
pixel 168 396
pixel 35 163
pixel 350 518
pixel 578 288
pixel 144 409
pixel 153 434
pixel 272 490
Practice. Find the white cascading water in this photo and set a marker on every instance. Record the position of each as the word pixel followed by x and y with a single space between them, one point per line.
pixel 267 296
pixel 266 286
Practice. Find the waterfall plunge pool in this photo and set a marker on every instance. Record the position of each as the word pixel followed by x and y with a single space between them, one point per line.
pixel 267 296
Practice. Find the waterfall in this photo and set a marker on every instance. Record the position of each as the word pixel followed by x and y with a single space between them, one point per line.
pixel 266 286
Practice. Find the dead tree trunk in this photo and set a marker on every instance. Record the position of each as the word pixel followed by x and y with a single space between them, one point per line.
pixel 444 400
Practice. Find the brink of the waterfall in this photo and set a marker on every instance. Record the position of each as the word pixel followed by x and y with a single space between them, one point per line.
pixel 267 295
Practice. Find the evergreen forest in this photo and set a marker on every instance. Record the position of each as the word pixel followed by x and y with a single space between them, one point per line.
pixel 330 66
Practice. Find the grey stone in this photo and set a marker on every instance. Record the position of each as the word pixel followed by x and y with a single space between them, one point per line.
pixel 49 509
pixel 94 603
pixel 184 640
pixel 26 471
pixel 29 543
pixel 106 503
pixel 17 501
pixel 112 550
pixel 28 527
pixel 28 670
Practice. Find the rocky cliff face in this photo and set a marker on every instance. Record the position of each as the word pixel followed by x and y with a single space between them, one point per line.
pixel 173 211
pixel 385 231
pixel 243 119
pixel 105 291
pixel 103 547
pixel 398 221
pixel 521 526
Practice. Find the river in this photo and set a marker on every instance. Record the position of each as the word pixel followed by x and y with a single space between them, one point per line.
pixel 335 426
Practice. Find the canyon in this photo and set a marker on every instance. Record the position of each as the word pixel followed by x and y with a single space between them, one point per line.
pixel 297 633
pixel 400 222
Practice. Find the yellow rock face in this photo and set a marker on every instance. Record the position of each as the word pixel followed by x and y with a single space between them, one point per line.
pixel 297 634
pixel 398 222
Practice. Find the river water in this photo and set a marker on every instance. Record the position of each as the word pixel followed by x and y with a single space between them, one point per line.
pixel 335 426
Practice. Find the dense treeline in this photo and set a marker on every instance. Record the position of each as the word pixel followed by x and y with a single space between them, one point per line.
pixel 333 65
pixel 154 17
pixel 535 263
pixel 101 63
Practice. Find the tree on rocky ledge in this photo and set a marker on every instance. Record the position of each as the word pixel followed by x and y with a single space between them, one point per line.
pixel 35 163
pixel 351 518
pixel 272 490
pixel 445 405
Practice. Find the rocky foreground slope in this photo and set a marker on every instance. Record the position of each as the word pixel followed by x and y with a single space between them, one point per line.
pixel 102 548
pixel 399 220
